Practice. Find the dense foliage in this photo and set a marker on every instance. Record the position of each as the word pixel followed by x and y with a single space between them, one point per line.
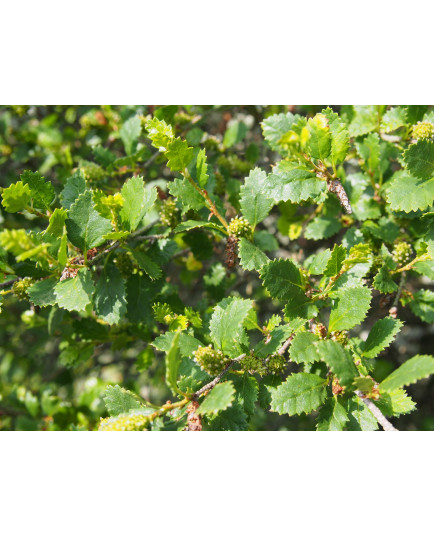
pixel 216 268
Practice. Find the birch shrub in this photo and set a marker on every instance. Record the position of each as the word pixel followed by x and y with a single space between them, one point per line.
pixel 176 268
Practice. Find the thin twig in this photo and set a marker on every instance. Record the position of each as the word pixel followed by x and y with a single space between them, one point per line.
pixel 393 311
pixel 387 426
pixel 151 159
pixel 285 345
pixel 217 379
pixel 150 237
pixel 116 244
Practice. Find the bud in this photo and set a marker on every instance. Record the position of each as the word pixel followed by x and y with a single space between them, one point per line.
pixel 211 361
pixel 423 130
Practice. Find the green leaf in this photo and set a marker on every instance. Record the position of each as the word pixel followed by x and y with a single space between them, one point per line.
pixel 193 224
pixel 423 305
pixel 316 264
pixel 369 151
pixel 16 197
pixel 408 193
pixel 381 335
pixel 85 226
pixel 235 133
pixel 393 119
pixel 160 133
pixel 416 368
pixel 419 159
pixel 42 191
pixel 360 418
pixel 42 292
pixel 350 308
pixel 179 155
pixel 227 321
pixel 319 142
pixel 103 156
pixel 425 268
pixel 266 241
pixel 299 305
pixel 140 291
pixel 119 400
pixel 340 137
pixel 75 185
pixel 202 169
pixel 57 222
pixel 173 361
pixel 187 343
pixel 395 403
pixel 282 279
pixel 109 300
pixel 339 360
pixel 251 257
pixel 246 392
pixel 383 281
pixel 73 355
pixel 278 336
pixel 253 202
pixel 365 120
pixel 336 260
pixel 300 393
pixel 322 227
pixel 303 349
pixel 290 183
pixel 332 416
pixel 116 235
pixel 147 264
pixel 129 134
pixel 232 419
pixel 137 202
pixel 191 376
pixel 275 127
pixel 361 193
pixel 220 398
pixel 187 194
pixel 75 293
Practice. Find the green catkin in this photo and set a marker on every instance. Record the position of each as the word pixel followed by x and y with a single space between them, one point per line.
pixel 20 287
pixel 124 423
pixel 402 253
pixel 211 361
pixel 169 214
pixel 423 130
pixel 240 228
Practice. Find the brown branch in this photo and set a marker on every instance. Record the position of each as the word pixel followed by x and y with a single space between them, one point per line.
pixel 217 379
pixel 387 426
pixel 285 345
